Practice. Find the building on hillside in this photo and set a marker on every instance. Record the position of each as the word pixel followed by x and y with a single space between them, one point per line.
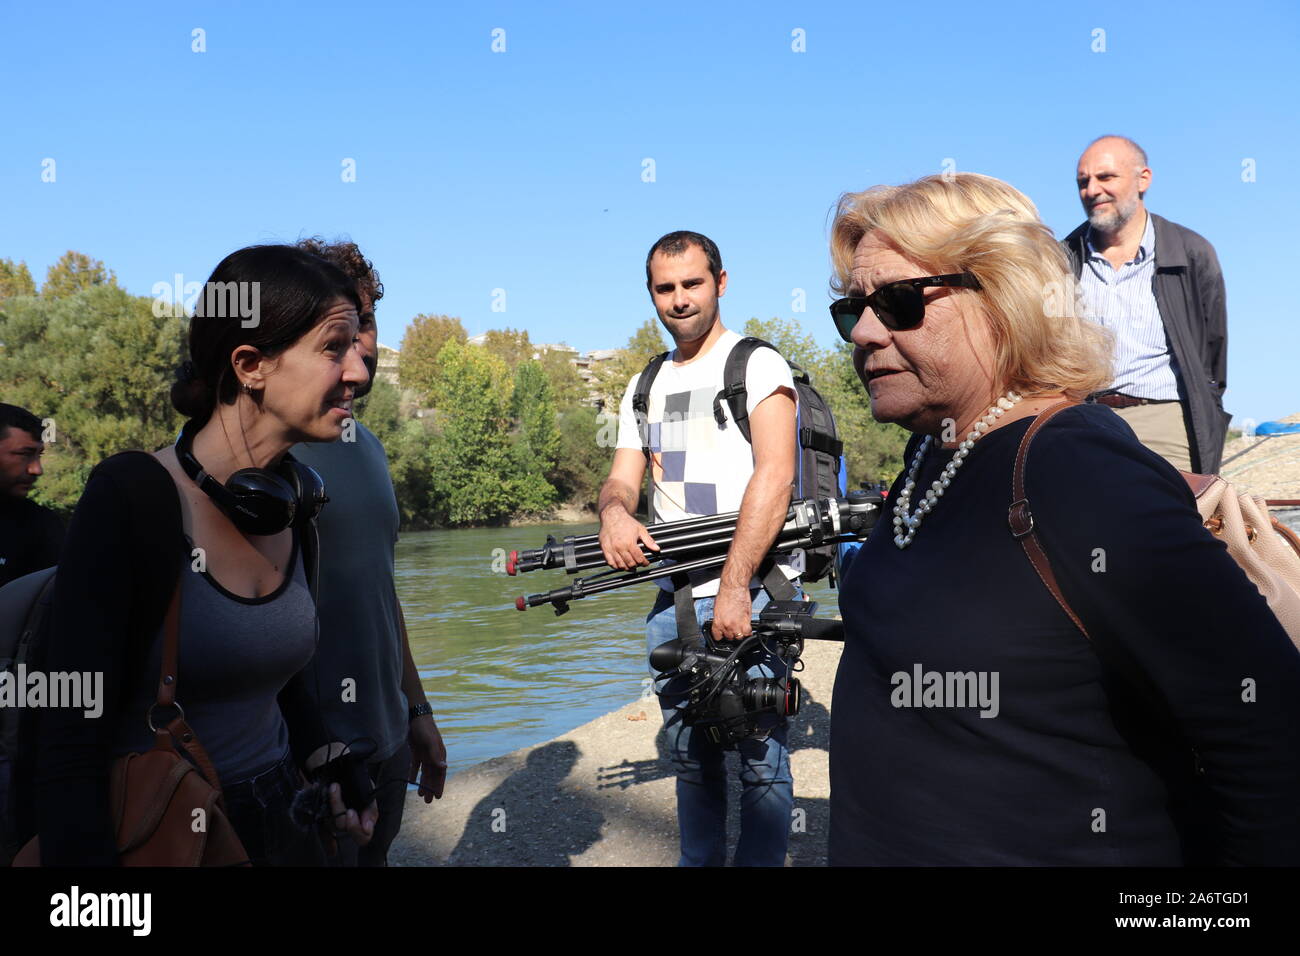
pixel 587 363
pixel 540 350
pixel 589 371
pixel 388 363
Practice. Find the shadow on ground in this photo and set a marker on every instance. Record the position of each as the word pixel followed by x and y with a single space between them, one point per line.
pixel 560 806
pixel 809 730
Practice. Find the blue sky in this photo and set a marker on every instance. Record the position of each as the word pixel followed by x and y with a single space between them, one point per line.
pixel 522 170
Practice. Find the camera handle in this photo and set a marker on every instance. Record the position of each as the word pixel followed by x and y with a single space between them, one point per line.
pixel 774 582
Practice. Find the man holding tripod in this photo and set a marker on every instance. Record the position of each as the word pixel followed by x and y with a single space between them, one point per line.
pixel 699 466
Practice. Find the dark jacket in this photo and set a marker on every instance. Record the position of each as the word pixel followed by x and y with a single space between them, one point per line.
pixel 118 572
pixel 1189 292
pixel 1089 760
pixel 30 538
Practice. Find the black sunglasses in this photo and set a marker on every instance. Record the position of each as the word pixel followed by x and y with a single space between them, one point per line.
pixel 899 305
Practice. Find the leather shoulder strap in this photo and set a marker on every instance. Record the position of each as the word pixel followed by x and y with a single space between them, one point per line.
pixel 153 495
pixel 170 650
pixel 1199 484
pixel 1021 518
pixel 1289 536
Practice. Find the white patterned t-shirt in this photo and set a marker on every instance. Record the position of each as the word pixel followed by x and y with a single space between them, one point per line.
pixel 698 467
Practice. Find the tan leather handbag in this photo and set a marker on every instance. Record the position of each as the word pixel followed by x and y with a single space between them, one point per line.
pixel 1267 550
pixel 166 810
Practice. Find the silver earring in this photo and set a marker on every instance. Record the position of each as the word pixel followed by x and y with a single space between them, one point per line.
pixel 248 389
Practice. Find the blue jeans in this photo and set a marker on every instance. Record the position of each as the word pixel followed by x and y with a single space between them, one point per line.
pixel 767 797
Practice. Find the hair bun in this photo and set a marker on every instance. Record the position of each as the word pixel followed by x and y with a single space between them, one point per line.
pixel 190 395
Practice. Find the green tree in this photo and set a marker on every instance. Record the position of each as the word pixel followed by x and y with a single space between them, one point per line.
pixel 417 367
pixel 612 377
pixel 379 410
pixel 476 479
pixel 536 441
pixel 567 385
pixel 73 272
pixel 791 341
pixel 15 279
pixel 411 463
pixel 532 407
pixel 98 364
pixel 872 451
pixel 513 348
pixel 583 462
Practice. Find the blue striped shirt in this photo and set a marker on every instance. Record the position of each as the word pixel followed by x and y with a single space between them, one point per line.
pixel 1124 301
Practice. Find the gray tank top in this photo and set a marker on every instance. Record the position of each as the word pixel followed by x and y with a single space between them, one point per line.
pixel 236 654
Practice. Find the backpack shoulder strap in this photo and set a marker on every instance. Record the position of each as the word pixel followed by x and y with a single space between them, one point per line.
pixel 734 391
pixel 641 399
pixel 817 429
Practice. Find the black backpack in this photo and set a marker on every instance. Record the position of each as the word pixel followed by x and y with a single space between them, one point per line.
pixel 821 472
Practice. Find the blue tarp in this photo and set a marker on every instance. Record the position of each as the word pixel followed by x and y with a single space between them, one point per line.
pixel 1278 428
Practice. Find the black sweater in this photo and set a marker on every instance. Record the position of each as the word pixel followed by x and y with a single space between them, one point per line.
pixel 1089 759
pixel 30 538
pixel 117 574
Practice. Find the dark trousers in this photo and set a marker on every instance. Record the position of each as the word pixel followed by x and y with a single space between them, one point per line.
pixel 258 809
pixel 389 777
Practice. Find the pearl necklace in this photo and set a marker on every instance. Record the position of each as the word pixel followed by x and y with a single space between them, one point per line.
pixel 901 518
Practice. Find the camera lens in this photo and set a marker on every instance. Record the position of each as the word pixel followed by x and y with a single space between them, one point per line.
pixel 768 693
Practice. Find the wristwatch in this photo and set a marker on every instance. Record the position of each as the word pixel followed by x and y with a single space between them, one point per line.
pixel 419 710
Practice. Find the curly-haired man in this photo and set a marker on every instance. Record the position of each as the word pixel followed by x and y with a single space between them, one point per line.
pixel 364 655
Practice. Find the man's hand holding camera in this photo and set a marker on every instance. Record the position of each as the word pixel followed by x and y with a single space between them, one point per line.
pixel 731 612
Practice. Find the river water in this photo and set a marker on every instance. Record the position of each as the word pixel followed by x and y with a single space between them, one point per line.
pixel 500 679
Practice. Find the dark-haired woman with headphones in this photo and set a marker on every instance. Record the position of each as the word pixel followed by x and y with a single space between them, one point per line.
pixel 272 363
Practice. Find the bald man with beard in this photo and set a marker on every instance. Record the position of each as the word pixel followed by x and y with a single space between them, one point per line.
pixel 1158 287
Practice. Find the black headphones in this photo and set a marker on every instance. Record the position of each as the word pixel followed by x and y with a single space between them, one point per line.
pixel 256 500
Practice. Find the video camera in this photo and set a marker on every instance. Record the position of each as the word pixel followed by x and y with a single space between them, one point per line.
pixel 712 676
